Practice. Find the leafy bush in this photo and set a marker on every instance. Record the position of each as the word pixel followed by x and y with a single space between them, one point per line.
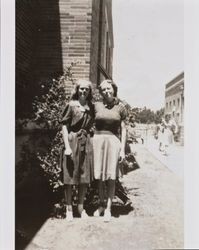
pixel 48 111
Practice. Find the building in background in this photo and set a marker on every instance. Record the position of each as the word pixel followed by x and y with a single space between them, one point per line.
pixel 174 102
pixel 50 34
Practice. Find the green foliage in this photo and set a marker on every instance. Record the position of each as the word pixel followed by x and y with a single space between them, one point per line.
pixel 145 115
pixel 159 115
pixel 49 162
pixel 48 111
pixel 48 107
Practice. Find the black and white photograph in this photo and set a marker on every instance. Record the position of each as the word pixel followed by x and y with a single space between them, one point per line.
pixel 99 122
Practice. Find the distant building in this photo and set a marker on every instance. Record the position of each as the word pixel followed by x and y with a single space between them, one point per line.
pixel 174 101
pixel 51 34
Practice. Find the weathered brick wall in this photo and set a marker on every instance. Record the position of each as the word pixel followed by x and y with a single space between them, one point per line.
pixel 50 34
pixel 25 50
pixel 48 56
pixel 75 32
pixel 64 37
pixel 25 30
pixel 75 23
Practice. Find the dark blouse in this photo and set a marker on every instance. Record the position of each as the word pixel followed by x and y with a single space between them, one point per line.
pixel 76 117
pixel 109 117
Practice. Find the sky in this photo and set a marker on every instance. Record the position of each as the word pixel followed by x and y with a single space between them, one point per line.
pixel 148 49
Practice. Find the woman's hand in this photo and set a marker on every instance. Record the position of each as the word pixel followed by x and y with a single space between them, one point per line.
pixel 68 151
pixel 122 155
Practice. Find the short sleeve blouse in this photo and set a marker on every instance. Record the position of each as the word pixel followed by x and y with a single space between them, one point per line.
pixel 109 118
pixel 76 117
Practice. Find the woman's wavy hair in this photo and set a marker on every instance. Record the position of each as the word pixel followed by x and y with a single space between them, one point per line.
pixel 74 94
pixel 115 88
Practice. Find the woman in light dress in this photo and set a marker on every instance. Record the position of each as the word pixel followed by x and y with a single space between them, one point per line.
pixel 108 144
pixel 166 133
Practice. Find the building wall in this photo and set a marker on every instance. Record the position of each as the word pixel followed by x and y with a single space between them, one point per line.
pixel 101 41
pixel 174 99
pixel 25 51
pixel 174 102
pixel 74 35
pixel 51 34
pixel 95 50
pixel 106 41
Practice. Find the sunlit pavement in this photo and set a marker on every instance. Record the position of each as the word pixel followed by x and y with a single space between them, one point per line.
pixel 174 160
pixel 155 220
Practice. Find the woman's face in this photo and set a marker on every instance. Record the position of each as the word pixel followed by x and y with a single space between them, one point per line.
pixel 107 91
pixel 84 90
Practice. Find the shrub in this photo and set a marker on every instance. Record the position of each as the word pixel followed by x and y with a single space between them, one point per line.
pixel 48 111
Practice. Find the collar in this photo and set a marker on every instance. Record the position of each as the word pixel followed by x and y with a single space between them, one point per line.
pixel 112 104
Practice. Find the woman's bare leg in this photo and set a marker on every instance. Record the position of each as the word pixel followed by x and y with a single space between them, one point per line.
pixel 68 196
pixel 101 198
pixel 110 193
pixel 68 199
pixel 82 188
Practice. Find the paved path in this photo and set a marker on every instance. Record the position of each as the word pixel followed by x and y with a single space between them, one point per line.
pixel 174 160
pixel 155 221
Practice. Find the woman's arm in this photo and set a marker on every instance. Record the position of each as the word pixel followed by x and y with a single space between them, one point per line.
pixel 123 140
pixel 68 150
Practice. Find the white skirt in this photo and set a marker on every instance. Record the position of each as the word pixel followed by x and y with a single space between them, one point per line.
pixel 166 137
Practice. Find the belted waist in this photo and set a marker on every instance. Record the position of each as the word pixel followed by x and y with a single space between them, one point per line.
pixel 103 132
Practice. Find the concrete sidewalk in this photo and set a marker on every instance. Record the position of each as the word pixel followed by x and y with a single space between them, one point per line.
pixel 174 160
pixel 154 222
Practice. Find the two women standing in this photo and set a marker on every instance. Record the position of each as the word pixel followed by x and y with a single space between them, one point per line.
pixel 81 156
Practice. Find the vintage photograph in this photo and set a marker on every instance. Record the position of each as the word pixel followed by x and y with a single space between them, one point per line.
pixel 99 124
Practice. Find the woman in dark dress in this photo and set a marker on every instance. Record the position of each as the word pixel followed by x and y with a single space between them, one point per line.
pixel 108 143
pixel 77 157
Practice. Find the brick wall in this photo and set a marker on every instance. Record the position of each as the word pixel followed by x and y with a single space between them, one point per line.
pixel 50 34
pixel 64 37
pixel 75 24
pixel 25 50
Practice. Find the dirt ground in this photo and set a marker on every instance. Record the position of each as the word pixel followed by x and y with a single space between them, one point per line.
pixel 155 220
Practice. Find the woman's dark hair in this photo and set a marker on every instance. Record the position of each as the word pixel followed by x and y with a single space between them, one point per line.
pixel 112 84
pixel 74 94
